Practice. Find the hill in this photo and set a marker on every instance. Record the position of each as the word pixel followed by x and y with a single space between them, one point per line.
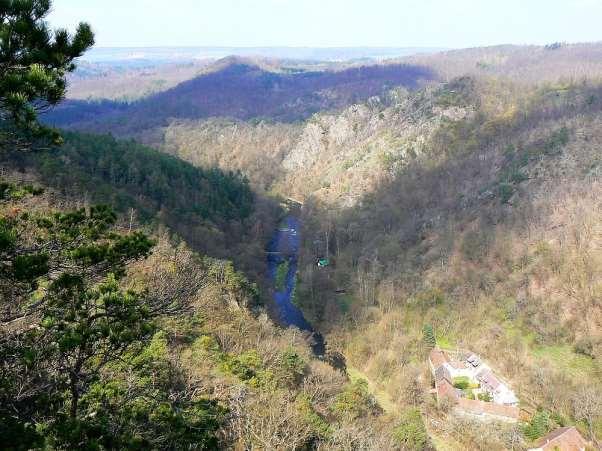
pixel 488 233
pixel 215 211
pixel 237 89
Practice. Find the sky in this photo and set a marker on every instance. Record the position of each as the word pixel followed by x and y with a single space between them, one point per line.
pixel 332 23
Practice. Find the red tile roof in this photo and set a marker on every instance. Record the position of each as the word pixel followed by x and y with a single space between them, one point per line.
pixel 437 358
pixel 481 407
pixel 457 364
pixel 562 439
pixel 446 389
pixel 489 379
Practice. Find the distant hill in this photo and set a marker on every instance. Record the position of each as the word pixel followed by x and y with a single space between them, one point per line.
pixel 526 64
pixel 237 88
pixel 142 55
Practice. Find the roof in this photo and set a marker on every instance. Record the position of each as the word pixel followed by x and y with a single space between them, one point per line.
pixel 481 407
pixel 489 379
pixel 446 389
pixel 437 357
pixel 563 439
pixel 442 373
pixel 458 365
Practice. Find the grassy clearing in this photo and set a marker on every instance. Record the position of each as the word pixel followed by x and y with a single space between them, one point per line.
pixel 564 358
pixel 445 343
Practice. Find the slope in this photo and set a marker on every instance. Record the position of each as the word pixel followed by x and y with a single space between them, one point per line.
pixel 238 89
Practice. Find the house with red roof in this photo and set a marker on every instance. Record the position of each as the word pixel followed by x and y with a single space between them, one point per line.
pixel 561 439
pixel 445 368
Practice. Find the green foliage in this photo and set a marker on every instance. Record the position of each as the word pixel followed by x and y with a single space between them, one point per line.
pixel 30 267
pixel 485 396
pixel 355 401
pixel 80 322
pixel 539 425
pixel 34 62
pixel 428 335
pixel 319 426
pixel 248 367
pixel 120 172
pixel 134 410
pixel 411 433
pixel 291 368
pixel 10 191
pixel 461 382
pixel 281 275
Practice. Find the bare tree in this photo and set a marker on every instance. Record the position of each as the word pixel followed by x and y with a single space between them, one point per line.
pixel 587 406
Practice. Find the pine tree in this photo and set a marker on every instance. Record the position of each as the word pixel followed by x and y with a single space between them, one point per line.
pixel 428 335
pixel 33 63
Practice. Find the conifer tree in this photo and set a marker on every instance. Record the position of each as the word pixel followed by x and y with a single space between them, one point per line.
pixel 428 335
pixel 34 61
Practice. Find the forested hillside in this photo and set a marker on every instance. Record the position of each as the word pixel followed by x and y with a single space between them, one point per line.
pixel 490 236
pixel 215 211
pixel 240 89
pixel 138 342
pixel 114 334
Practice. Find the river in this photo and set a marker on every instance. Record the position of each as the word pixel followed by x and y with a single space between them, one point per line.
pixel 284 247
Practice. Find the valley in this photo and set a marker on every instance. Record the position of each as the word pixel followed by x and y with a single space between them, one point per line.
pixel 422 195
pixel 299 248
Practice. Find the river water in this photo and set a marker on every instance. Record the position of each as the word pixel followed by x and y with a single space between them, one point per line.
pixel 284 246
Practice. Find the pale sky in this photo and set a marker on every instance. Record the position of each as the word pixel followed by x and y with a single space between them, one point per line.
pixel 332 23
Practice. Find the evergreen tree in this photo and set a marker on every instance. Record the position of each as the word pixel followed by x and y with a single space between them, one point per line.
pixel 33 63
pixel 428 336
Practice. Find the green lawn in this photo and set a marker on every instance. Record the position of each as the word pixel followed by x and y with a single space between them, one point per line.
pixel 563 357
pixel 445 343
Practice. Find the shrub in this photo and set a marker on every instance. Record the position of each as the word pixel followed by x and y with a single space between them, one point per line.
pixel 411 433
pixel 291 367
pixel 585 346
pixel 462 382
pixel 485 397
pixel 505 192
pixel 245 366
pixel 355 401
pixel 318 425
pixel 538 426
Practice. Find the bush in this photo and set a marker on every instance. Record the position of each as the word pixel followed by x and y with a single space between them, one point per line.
pixel 585 346
pixel 411 433
pixel 462 382
pixel 538 426
pixel 355 401
pixel 318 425
pixel 505 192
pixel 485 397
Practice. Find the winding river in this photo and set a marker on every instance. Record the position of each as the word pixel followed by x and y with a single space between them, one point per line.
pixel 284 247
